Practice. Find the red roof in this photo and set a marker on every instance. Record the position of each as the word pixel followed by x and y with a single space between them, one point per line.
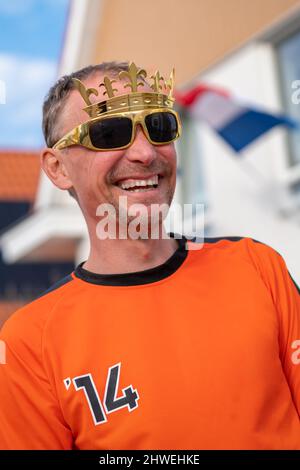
pixel 19 175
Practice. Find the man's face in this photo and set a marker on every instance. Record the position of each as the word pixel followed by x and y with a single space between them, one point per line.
pixel 103 176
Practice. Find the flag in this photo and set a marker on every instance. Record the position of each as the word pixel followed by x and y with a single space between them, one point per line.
pixel 237 124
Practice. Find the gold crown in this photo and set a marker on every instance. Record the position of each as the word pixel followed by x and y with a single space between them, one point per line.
pixel 134 100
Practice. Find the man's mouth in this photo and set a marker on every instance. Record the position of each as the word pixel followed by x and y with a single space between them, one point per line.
pixel 137 185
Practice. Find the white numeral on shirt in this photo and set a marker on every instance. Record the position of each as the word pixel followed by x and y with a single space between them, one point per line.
pixel 129 397
pixel 296 354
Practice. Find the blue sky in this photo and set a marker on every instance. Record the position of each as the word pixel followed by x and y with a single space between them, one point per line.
pixel 31 38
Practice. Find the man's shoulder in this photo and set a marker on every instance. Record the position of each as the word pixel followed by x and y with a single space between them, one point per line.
pixel 243 243
pixel 33 316
pixel 243 247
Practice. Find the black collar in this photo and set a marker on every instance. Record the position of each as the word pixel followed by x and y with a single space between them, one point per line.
pixel 140 277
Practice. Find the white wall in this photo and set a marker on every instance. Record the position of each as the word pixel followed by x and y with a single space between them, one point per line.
pixel 246 193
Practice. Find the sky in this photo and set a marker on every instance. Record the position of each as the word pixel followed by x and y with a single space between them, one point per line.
pixel 31 39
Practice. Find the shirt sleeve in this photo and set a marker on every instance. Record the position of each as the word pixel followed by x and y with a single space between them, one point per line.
pixel 286 297
pixel 30 416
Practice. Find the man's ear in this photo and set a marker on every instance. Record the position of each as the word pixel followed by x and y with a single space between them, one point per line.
pixel 55 169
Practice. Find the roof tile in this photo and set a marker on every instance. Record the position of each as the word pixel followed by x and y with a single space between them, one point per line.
pixel 19 175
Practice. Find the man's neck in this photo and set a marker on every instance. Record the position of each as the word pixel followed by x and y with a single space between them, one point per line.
pixel 115 256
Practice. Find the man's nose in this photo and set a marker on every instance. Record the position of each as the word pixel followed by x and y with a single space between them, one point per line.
pixel 141 150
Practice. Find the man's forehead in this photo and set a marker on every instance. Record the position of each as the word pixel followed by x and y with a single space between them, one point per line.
pixel 73 113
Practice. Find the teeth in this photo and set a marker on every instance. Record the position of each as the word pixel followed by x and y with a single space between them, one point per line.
pixel 133 184
pixel 140 190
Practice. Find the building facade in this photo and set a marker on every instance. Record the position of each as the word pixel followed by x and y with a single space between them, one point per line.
pixel 245 47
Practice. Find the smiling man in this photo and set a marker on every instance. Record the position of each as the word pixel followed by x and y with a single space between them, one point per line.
pixel 142 170
pixel 149 343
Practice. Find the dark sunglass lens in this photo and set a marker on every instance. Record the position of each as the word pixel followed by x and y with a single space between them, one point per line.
pixel 111 133
pixel 162 127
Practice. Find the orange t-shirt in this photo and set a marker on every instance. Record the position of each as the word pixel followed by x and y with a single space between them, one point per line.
pixel 201 352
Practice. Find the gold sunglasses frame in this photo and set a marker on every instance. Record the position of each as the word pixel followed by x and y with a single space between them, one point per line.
pixel 80 134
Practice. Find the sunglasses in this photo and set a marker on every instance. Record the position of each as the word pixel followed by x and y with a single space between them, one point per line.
pixel 117 131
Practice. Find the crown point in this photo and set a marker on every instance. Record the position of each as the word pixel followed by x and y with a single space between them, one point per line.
pixel 133 99
pixel 107 83
pixel 133 74
pixel 156 86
